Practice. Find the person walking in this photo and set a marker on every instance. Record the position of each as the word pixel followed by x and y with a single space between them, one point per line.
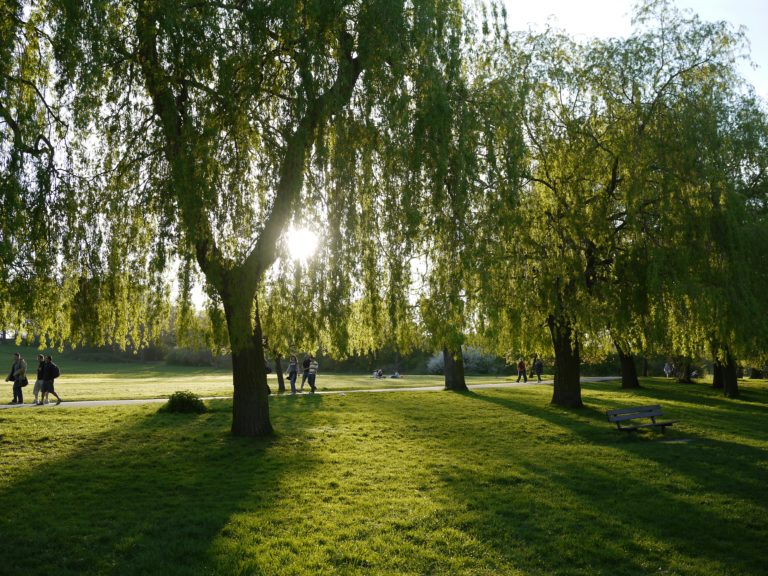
pixel 50 373
pixel 18 376
pixel 521 370
pixel 668 369
pixel 293 372
pixel 313 366
pixel 38 389
pixel 538 367
pixel 305 367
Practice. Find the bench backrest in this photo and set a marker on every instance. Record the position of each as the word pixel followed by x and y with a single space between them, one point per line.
pixel 621 414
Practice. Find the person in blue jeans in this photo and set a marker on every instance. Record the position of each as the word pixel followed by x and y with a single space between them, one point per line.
pixel 521 371
pixel 293 372
pixel 305 366
pixel 313 365
pixel 538 367
pixel 18 376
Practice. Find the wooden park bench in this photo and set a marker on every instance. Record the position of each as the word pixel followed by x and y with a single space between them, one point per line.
pixel 625 415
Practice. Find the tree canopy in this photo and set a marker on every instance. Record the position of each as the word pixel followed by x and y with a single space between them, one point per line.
pixel 523 191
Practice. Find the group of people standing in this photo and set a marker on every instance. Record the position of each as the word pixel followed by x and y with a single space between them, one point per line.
pixel 309 368
pixel 47 372
pixel 537 369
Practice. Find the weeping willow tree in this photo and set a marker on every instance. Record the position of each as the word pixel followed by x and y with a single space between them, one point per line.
pixel 26 157
pixel 201 128
pixel 444 158
pixel 70 272
pixel 712 288
pixel 604 192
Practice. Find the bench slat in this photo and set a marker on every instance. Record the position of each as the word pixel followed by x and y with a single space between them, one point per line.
pixel 656 425
pixel 634 409
pixel 623 417
pixel 619 415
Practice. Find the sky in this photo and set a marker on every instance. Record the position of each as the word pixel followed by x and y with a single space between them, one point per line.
pixel 611 18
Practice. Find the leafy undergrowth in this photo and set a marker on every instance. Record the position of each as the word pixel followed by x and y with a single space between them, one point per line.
pixel 490 482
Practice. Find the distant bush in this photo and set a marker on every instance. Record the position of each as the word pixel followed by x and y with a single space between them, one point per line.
pixel 436 364
pixel 184 402
pixel 189 357
pixel 475 362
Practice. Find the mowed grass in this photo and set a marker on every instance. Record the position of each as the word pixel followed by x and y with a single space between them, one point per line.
pixel 488 482
pixel 87 380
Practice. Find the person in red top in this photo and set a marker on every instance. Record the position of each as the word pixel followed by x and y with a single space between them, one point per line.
pixel 521 370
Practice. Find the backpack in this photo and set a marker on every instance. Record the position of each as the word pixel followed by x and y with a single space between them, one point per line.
pixel 55 372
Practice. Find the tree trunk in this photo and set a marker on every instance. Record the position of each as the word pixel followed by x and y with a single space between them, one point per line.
pixel 453 368
pixel 718 378
pixel 567 388
pixel 645 367
pixel 730 380
pixel 279 371
pixel 684 373
pixel 628 368
pixel 250 403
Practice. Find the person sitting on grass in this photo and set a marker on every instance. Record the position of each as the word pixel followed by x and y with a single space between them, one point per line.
pixel 50 373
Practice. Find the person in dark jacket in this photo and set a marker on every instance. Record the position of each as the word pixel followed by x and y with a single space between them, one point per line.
pixel 18 376
pixel 293 372
pixel 38 389
pixel 305 375
pixel 50 373
pixel 521 370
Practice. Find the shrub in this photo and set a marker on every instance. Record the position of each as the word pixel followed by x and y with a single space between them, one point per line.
pixel 475 362
pixel 184 402
pixel 189 357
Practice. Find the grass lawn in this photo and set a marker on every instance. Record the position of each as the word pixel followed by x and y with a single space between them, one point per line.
pixel 489 482
pixel 86 380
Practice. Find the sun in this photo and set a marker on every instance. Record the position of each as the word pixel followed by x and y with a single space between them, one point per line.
pixel 302 243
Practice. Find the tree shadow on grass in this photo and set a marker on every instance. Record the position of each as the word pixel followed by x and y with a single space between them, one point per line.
pixel 149 497
pixel 711 462
pixel 698 407
pixel 555 491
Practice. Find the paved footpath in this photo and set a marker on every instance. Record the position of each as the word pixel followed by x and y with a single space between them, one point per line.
pixel 92 403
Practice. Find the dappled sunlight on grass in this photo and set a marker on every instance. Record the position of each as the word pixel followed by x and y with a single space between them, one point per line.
pixel 486 482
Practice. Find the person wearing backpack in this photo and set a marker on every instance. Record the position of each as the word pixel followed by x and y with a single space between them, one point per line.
pixel 50 373
pixel 38 389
